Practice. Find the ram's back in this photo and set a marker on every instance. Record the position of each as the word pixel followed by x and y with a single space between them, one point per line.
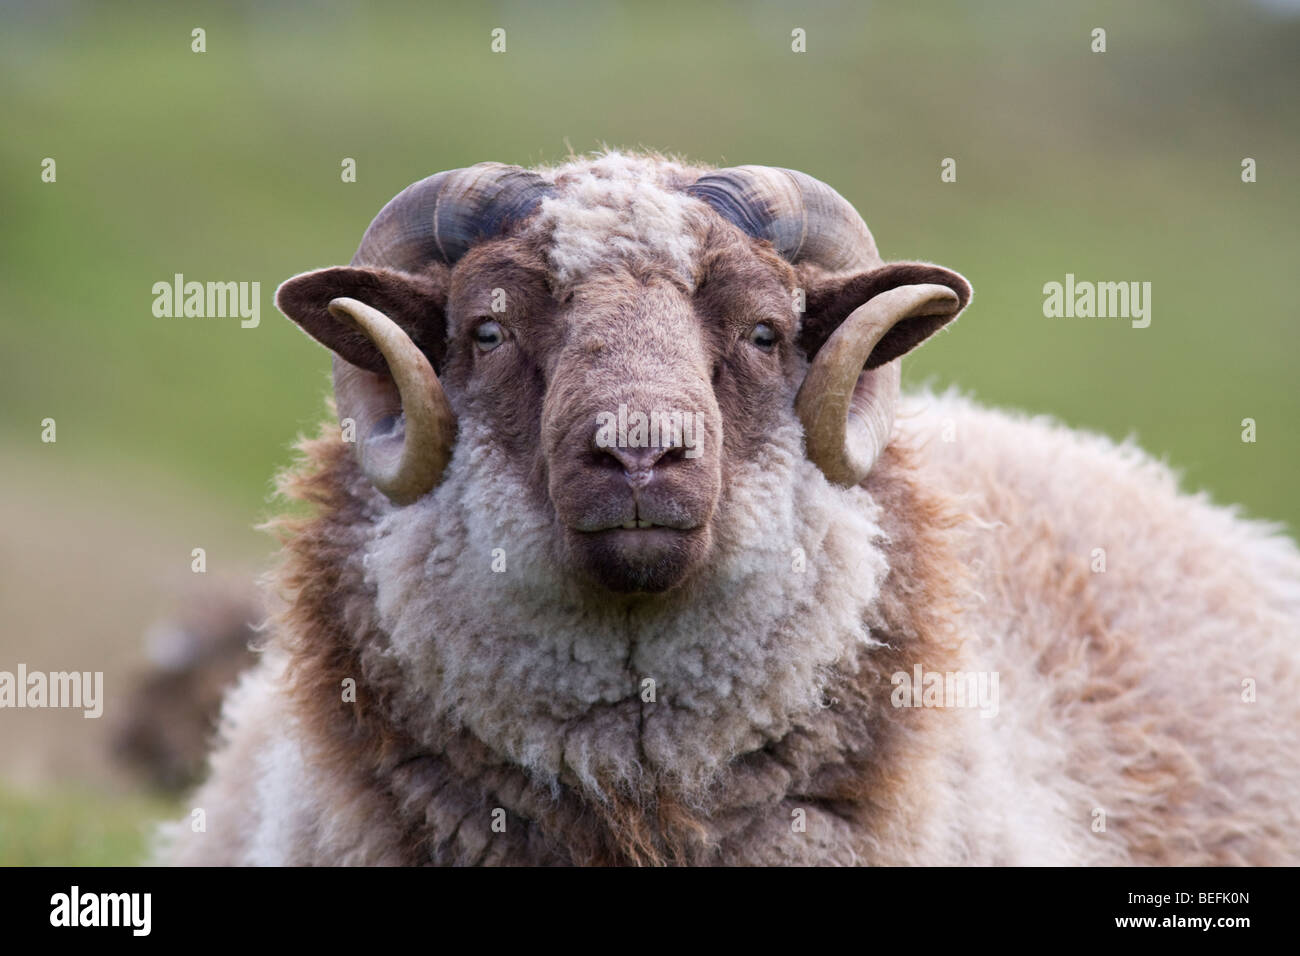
pixel 1147 642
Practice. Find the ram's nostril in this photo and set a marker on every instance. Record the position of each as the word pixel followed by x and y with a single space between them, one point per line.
pixel 671 454
pixel 637 459
pixel 637 464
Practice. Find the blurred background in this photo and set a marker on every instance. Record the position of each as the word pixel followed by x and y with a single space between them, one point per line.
pixel 226 166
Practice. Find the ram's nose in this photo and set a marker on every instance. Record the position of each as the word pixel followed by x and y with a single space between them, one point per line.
pixel 638 464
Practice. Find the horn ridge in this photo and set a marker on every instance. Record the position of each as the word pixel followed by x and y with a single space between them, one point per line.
pixel 440 217
pixel 804 219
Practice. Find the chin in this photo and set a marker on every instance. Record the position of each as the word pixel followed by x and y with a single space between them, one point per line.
pixel 644 560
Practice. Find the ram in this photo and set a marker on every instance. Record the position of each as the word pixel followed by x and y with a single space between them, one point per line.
pixel 511 638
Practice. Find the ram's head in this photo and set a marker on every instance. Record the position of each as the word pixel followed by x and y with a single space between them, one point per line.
pixel 627 331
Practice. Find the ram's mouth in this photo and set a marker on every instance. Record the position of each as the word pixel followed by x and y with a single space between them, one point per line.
pixel 638 524
pixel 639 537
pixel 635 523
pixel 638 554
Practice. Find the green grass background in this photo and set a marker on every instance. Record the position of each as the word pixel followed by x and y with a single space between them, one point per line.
pixel 226 166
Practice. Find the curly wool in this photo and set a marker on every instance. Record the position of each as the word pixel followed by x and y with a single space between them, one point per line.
pixel 620 208
pixel 735 660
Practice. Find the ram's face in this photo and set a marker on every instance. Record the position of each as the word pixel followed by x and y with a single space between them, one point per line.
pixel 624 335
pixel 626 396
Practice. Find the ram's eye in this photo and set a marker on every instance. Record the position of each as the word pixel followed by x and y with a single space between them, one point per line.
pixel 488 335
pixel 764 336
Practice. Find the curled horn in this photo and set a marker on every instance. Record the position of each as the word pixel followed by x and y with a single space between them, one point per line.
pixel 846 408
pixel 803 218
pixel 405 425
pixel 439 218
pixel 848 412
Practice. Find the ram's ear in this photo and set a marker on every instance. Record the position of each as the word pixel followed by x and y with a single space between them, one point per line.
pixel 416 303
pixel 832 299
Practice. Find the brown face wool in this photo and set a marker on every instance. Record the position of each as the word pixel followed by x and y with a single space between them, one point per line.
pixel 690 583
